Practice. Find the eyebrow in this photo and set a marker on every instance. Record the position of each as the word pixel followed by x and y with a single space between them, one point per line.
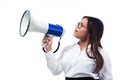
pixel 83 23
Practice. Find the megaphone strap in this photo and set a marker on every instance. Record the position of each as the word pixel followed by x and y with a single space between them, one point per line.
pixel 56 48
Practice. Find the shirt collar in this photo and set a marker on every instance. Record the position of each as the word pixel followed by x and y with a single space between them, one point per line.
pixel 89 46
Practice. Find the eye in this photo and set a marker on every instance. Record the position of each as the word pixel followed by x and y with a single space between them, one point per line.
pixel 79 25
pixel 82 25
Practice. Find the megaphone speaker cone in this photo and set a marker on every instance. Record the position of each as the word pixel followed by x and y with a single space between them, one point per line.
pixel 25 23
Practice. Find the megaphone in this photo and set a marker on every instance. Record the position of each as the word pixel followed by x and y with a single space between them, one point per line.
pixel 28 24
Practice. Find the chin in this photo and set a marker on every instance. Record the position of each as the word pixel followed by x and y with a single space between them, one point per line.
pixel 76 36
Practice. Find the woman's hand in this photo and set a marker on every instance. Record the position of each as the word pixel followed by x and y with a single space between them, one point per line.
pixel 48 41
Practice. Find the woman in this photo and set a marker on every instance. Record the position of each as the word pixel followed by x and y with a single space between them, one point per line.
pixel 84 60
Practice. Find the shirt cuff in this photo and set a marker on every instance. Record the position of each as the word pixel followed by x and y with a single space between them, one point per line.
pixel 49 55
pixel 50 52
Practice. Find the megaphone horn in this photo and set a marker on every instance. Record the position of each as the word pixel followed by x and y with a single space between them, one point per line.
pixel 28 24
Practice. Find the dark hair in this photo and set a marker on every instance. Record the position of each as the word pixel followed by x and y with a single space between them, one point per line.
pixel 95 31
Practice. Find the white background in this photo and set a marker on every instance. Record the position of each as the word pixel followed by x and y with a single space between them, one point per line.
pixel 23 58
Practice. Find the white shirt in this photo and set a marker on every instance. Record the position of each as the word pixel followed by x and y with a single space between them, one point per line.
pixel 76 63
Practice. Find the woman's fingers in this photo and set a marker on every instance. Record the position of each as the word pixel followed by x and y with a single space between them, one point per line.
pixel 47 40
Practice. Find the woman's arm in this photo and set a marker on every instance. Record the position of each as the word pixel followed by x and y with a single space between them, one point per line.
pixel 105 73
pixel 53 64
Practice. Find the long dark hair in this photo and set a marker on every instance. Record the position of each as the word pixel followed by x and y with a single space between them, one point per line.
pixel 95 31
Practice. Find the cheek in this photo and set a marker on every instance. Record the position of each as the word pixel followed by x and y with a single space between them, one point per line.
pixel 81 34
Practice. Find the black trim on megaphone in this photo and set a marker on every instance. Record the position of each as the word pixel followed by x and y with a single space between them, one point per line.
pixel 56 48
pixel 22 22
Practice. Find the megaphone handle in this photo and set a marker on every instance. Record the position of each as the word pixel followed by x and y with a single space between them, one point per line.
pixel 56 48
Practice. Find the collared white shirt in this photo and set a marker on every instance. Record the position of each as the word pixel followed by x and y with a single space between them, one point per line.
pixel 75 63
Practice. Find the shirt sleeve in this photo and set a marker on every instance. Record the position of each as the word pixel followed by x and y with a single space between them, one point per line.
pixel 105 73
pixel 53 64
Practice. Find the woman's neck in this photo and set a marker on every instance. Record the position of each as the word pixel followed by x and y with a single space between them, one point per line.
pixel 83 44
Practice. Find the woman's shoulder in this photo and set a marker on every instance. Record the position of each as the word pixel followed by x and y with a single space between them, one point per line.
pixel 104 53
pixel 65 49
pixel 102 50
pixel 68 47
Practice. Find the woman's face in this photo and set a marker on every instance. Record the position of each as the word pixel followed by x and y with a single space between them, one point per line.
pixel 81 30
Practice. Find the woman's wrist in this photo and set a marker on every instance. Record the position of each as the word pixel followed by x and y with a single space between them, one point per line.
pixel 48 50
